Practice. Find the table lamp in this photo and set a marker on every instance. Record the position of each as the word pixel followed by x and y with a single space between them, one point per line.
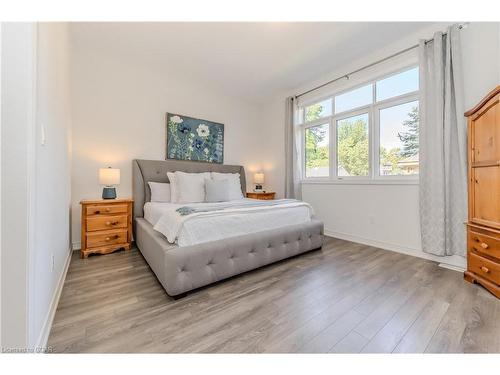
pixel 109 177
pixel 258 179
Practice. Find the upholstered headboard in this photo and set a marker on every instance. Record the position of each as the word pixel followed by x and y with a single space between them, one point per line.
pixel 156 170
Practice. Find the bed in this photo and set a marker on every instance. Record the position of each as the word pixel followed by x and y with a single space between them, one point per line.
pixel 196 260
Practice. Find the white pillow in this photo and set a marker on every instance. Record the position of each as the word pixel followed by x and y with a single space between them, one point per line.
pixel 234 184
pixel 216 190
pixel 160 192
pixel 191 186
pixel 174 191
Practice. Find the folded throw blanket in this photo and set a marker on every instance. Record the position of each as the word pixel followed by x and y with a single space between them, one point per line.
pixel 188 210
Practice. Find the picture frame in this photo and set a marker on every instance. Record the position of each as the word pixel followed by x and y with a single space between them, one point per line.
pixel 190 138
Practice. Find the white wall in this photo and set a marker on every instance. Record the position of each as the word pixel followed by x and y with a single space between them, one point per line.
pixel 481 60
pixel 383 215
pixel 18 53
pixel 35 178
pixel 119 106
pixel 52 178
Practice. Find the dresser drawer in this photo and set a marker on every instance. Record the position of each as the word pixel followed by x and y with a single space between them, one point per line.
pixel 484 244
pixel 106 209
pixel 108 237
pixel 484 267
pixel 101 222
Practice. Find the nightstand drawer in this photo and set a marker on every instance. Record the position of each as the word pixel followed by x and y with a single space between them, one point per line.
pixel 484 267
pixel 484 244
pixel 262 196
pixel 106 209
pixel 106 222
pixel 108 237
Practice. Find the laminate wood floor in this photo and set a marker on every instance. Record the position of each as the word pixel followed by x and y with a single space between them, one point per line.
pixel 344 298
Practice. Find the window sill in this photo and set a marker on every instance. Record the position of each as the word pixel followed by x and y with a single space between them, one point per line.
pixel 354 181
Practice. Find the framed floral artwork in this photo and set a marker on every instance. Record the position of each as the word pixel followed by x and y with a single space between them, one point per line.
pixel 190 138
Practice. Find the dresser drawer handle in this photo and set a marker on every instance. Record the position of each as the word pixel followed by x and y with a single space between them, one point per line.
pixel 97 212
pixel 484 269
pixel 108 209
pixel 484 245
pixel 111 222
pixel 112 238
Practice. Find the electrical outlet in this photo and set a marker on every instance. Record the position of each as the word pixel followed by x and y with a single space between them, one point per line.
pixel 52 263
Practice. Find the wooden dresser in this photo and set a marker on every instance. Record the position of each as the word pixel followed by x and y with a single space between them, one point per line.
pixel 106 226
pixel 483 227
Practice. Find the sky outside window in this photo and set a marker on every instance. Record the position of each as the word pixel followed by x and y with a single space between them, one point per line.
pixel 397 84
pixel 355 98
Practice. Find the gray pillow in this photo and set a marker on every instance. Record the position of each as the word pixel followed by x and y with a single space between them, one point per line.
pixel 216 190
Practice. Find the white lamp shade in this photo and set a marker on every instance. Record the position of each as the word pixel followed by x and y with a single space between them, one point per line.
pixel 258 178
pixel 109 176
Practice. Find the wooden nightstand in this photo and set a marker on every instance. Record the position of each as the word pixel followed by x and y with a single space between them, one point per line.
pixel 264 196
pixel 106 226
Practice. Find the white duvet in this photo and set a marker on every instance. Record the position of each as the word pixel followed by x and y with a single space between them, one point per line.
pixel 233 220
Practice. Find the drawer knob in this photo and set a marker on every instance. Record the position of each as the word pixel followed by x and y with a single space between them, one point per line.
pixel 108 209
pixel 108 238
pixel 108 222
pixel 484 245
pixel 97 212
pixel 484 269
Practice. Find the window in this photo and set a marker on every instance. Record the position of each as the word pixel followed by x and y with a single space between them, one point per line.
pixel 398 84
pixel 369 132
pixel 399 139
pixel 319 110
pixel 352 146
pixel 317 151
pixel 354 99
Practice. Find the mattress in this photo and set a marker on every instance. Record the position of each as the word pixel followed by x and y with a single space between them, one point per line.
pixel 208 228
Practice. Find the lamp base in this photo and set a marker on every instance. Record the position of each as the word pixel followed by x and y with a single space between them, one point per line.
pixel 108 193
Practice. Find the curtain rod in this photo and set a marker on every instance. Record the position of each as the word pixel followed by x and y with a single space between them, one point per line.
pixel 346 76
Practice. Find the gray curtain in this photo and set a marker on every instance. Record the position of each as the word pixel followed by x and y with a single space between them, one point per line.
pixel 292 151
pixel 443 153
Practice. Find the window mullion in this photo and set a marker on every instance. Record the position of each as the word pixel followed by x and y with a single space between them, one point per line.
pixel 373 133
pixel 376 142
pixel 333 143
pixel 333 149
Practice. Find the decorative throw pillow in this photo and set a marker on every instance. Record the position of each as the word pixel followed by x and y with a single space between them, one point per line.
pixel 160 192
pixel 235 192
pixel 216 190
pixel 174 195
pixel 191 186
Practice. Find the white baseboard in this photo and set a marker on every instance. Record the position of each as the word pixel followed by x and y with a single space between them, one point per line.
pixel 452 267
pixel 49 319
pixel 77 245
pixel 452 262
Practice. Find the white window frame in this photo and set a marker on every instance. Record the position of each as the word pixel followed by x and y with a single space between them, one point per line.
pixel 373 111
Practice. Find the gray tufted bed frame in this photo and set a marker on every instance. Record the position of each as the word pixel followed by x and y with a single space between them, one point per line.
pixel 181 269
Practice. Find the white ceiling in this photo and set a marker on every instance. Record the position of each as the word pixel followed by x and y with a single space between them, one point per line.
pixel 250 60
